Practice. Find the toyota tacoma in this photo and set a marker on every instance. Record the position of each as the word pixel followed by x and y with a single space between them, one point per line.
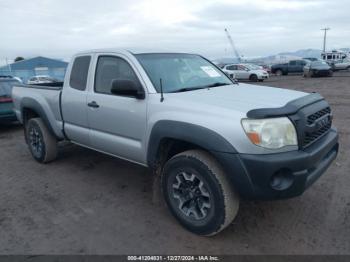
pixel 210 140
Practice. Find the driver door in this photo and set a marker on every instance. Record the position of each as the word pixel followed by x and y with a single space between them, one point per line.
pixel 243 71
pixel 117 123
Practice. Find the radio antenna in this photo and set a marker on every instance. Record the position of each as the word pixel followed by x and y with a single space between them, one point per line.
pixel 161 90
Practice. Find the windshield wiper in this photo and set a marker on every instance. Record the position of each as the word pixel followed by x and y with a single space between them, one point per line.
pixel 185 89
pixel 218 84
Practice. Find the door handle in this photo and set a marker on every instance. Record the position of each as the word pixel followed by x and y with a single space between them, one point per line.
pixel 93 104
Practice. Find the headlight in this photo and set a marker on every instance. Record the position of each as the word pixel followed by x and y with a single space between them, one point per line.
pixel 271 132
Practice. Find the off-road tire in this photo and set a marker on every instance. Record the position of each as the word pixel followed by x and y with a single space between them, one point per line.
pixel 224 202
pixel 45 148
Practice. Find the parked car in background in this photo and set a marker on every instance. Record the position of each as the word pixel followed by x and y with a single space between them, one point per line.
pixel 317 68
pixel 207 139
pixel 311 58
pixel 5 76
pixel 41 79
pixel 11 77
pixel 293 66
pixel 267 68
pixel 7 113
pixel 341 65
pixel 249 72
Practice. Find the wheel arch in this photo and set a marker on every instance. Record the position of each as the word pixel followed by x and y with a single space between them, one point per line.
pixel 253 75
pixel 171 137
pixel 31 109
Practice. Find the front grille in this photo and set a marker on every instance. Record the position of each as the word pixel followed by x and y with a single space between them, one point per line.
pixel 312 118
pixel 316 129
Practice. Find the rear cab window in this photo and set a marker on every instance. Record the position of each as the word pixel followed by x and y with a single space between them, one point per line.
pixel 79 72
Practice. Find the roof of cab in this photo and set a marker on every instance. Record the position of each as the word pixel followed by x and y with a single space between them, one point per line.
pixel 133 51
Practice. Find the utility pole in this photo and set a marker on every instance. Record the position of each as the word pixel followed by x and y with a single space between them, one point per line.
pixel 325 37
pixel 8 65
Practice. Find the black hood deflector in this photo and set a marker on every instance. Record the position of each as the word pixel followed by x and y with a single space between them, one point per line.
pixel 290 108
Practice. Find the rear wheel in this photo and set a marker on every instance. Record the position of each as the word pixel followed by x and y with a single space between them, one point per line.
pixel 198 193
pixel 42 144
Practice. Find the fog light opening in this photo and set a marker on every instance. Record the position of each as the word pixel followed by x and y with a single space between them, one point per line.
pixel 282 179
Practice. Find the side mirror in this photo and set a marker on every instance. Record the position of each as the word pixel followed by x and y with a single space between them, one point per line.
pixel 126 87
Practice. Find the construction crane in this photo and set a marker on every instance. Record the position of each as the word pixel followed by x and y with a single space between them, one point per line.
pixel 232 45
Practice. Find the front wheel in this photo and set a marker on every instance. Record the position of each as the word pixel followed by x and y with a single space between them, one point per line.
pixel 253 78
pixel 198 192
pixel 279 72
pixel 42 144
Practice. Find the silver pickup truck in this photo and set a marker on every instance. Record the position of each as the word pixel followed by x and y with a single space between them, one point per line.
pixel 210 140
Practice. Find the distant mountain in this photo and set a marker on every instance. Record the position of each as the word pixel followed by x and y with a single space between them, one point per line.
pixel 345 50
pixel 304 53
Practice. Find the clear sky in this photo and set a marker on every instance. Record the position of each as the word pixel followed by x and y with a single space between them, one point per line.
pixel 58 28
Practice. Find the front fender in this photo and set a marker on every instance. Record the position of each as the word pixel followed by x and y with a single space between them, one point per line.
pixel 207 139
pixel 195 134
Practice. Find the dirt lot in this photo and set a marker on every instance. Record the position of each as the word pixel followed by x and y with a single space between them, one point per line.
pixel 89 203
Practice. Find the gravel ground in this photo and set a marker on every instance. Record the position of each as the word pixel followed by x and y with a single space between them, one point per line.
pixel 89 203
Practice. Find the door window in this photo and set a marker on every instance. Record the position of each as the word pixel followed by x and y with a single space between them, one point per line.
pixel 110 68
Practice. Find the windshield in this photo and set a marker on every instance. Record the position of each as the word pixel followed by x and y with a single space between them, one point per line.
pixel 253 67
pixel 318 63
pixel 180 72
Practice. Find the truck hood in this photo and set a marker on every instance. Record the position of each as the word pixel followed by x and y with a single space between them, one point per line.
pixel 321 67
pixel 240 98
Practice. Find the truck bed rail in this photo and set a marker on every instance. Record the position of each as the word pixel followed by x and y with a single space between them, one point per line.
pixel 49 86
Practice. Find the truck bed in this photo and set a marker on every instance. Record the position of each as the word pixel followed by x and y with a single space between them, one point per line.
pixel 45 98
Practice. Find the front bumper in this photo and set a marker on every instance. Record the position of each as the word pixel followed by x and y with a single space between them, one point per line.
pixel 321 72
pixel 280 175
pixel 260 77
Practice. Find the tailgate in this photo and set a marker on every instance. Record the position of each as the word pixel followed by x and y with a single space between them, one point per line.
pixel 6 104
